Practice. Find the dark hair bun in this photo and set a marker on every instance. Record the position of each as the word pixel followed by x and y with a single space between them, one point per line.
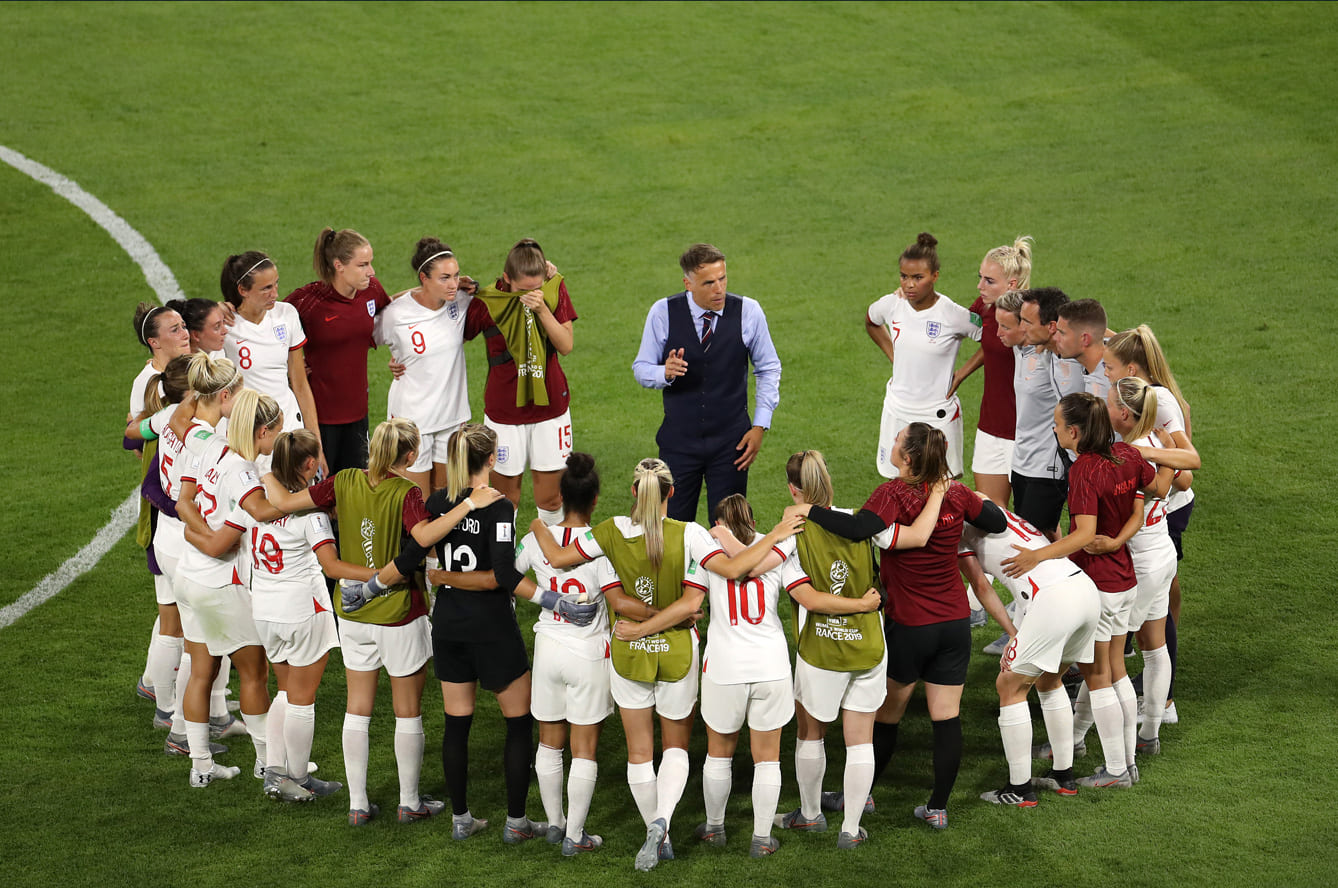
pixel 580 464
pixel 926 240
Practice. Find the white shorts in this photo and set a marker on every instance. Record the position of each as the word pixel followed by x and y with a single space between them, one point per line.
pixel 895 418
pixel 299 644
pixel 1155 571
pixel 163 590
pixel 565 686
pixel 1116 608
pixel 992 456
pixel 824 693
pixel 768 705
pixel 433 447
pixel 401 650
pixel 1060 628
pixel 217 617
pixel 673 700
pixel 544 446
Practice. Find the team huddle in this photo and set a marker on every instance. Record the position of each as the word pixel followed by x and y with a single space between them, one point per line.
pixel 261 481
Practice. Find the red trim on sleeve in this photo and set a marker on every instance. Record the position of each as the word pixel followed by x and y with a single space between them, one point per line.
pixel 293 348
pixel 695 585
pixel 241 499
pixel 777 550
pixel 328 541
pixel 234 526
pixel 614 585
pixel 584 554
pixel 896 532
pixel 709 555
pixel 798 582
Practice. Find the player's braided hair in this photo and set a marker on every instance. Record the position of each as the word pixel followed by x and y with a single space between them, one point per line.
pixel 652 482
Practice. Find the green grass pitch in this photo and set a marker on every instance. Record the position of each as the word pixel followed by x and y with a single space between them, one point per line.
pixel 1175 161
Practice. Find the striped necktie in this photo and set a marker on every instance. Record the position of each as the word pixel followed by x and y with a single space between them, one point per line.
pixel 707 329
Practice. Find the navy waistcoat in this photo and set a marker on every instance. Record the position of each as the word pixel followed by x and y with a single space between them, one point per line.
pixel 711 399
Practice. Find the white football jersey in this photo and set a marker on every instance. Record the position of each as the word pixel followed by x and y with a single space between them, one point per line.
pixel 139 385
pixel 287 585
pixel 433 392
pixel 993 548
pixel 1153 539
pixel 925 347
pixel 169 538
pixel 592 578
pixel 260 352
pixel 745 640
pixel 223 479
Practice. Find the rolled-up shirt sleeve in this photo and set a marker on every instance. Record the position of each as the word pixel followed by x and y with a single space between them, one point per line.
pixel 648 367
pixel 766 362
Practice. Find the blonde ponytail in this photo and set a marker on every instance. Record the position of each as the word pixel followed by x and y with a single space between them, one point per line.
pixel 391 442
pixel 652 481
pixel 468 451
pixel 251 412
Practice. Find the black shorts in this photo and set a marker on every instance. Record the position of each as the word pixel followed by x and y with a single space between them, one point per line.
pixel 345 445
pixel 493 663
pixel 1039 500
pixel 1176 522
pixel 938 653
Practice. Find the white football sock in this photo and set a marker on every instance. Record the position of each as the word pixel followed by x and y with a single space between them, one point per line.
pixel 299 728
pixel 1015 731
pixel 276 753
pixel 1058 715
pixel 356 743
pixel 580 790
pixel 197 738
pixel 183 679
pixel 810 766
pixel 257 725
pixel 218 694
pixel 164 657
pixel 147 675
pixel 1082 714
pixel 858 782
pixel 551 517
pixel 670 782
pixel 1109 718
pixel 1124 692
pixel 717 778
pixel 409 758
pixel 548 774
pixel 1156 682
pixel 766 795
pixel 641 780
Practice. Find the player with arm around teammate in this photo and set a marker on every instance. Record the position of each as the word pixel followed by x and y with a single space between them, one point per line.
pixel 1134 415
pixel 660 560
pixel 476 640
pixel 1106 488
pixel 920 331
pixel 841 667
pixel 928 636
pixel 1062 607
pixel 570 693
pixel 383 522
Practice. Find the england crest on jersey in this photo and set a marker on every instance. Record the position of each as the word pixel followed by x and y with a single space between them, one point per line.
pixel 452 310
pixel 281 332
pixel 371 308
pixel 932 329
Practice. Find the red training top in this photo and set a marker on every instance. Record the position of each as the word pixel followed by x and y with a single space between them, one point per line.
pixel 998 401
pixel 499 393
pixel 1107 490
pixel 413 511
pixel 339 335
pixel 924 585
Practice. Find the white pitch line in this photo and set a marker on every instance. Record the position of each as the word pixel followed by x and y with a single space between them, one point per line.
pixel 165 287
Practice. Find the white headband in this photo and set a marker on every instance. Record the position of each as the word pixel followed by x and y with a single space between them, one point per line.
pixel 242 277
pixel 144 324
pixel 433 256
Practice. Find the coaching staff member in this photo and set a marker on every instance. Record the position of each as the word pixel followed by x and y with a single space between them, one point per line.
pixel 696 348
